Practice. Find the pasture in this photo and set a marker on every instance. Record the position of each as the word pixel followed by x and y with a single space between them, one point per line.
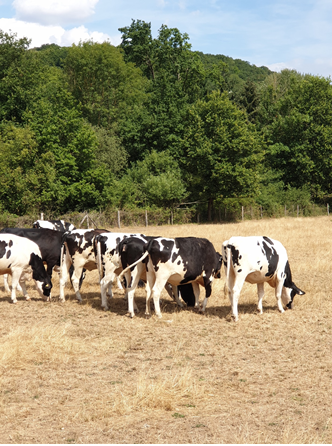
pixel 73 373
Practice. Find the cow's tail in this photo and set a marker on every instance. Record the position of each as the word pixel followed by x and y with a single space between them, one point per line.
pixel 98 258
pixel 133 264
pixel 228 256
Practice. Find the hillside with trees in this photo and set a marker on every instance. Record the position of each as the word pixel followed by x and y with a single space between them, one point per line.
pixel 151 124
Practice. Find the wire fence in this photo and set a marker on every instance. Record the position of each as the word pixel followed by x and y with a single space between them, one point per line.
pixel 156 217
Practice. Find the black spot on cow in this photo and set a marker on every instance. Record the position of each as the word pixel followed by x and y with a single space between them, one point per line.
pixel 2 249
pixel 10 243
pixel 272 259
pixel 235 255
pixel 239 270
pixel 267 239
pixel 8 254
pixel 261 268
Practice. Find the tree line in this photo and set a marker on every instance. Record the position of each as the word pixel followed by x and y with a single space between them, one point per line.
pixel 152 124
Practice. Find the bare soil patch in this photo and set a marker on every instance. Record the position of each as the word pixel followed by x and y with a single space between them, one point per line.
pixel 73 373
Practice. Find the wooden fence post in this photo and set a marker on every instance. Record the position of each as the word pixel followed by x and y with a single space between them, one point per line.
pixel 297 210
pixel 42 216
pixel 146 218
pixel 242 213
pixel 171 216
pixel 261 212
pixel 119 222
pixel 328 209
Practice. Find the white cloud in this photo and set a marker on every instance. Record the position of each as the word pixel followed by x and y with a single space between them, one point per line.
pixel 40 34
pixel 54 12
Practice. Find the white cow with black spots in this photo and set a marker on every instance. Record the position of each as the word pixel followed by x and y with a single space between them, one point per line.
pixel 258 259
pixel 19 257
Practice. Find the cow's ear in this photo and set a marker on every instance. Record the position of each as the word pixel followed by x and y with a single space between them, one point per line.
pixel 124 247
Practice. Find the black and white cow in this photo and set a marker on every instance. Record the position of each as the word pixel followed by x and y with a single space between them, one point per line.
pixel 78 251
pixel 258 259
pixel 55 225
pixel 116 251
pixel 18 257
pixel 109 260
pixel 179 261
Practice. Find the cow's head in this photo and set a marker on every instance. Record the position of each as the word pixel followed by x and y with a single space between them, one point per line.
pixel 40 276
pixel 288 294
pixel 289 290
pixel 218 266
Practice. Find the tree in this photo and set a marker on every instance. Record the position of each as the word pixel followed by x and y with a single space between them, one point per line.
pixel 300 134
pixel 158 180
pixel 106 87
pixel 221 151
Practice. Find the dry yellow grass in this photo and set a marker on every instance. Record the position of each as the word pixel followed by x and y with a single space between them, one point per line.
pixel 72 373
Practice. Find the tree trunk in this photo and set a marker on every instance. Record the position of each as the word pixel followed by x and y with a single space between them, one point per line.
pixel 210 207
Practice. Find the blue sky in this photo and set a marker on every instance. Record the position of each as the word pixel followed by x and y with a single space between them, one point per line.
pixel 278 34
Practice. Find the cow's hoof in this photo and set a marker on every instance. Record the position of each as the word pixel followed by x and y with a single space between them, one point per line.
pixel 147 316
pixel 28 298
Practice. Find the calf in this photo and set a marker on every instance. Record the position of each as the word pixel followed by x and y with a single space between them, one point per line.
pixel 55 225
pixel 179 261
pixel 18 256
pixel 258 260
pixel 78 251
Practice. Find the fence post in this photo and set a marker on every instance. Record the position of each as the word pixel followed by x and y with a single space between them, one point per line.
pixel 261 212
pixel 328 209
pixel 198 217
pixel 146 218
pixel 119 222
pixel 171 216
pixel 242 213
pixel 42 216
pixel 285 211
pixel 297 210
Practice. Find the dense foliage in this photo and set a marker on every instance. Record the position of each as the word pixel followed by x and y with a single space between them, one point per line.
pixel 153 124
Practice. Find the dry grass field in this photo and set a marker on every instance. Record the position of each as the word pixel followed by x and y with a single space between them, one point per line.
pixel 73 373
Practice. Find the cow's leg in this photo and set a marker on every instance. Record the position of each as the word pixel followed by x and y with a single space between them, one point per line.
pixel 260 292
pixel 150 280
pixel 234 294
pixel 132 279
pixel 75 279
pixel 64 273
pixel 175 291
pixel 208 291
pixel 24 289
pixel 16 274
pixel 105 286
pixel 6 285
pixel 5 282
pixel 278 291
pixel 155 295
pixel 196 291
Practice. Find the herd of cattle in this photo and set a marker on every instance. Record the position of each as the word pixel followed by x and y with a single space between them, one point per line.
pixel 179 265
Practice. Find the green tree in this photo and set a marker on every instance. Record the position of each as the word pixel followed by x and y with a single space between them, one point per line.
pixel 158 180
pixel 221 151
pixel 300 134
pixel 107 88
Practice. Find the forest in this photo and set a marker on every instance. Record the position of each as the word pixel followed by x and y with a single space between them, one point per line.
pixel 151 124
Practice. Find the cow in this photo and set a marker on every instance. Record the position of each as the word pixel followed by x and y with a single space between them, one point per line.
pixel 258 259
pixel 77 250
pixel 18 256
pixel 109 263
pixel 115 251
pixel 49 242
pixel 55 225
pixel 181 260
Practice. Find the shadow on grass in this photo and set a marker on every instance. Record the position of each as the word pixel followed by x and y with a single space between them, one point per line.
pixel 119 306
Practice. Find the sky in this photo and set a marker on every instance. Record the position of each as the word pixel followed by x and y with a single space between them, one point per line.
pixel 294 34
